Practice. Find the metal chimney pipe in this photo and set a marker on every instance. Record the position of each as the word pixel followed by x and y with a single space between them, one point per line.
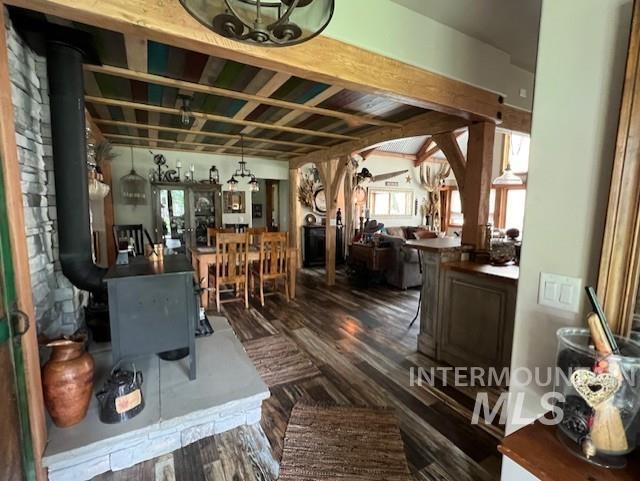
pixel 68 133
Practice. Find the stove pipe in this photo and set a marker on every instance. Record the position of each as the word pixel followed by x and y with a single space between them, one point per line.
pixel 68 134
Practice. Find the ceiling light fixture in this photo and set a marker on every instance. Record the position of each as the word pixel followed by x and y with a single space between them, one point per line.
pixel 508 178
pixel 272 23
pixel 243 172
pixel 186 116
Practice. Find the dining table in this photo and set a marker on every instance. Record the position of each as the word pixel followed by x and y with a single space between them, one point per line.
pixel 203 257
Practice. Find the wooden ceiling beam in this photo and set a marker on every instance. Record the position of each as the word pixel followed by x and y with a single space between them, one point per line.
pixel 268 89
pixel 448 143
pixel 429 123
pixel 200 133
pixel 296 114
pixel 255 98
pixel 279 153
pixel 425 147
pixel 515 119
pixel 323 60
pixel 178 149
pixel 216 118
pixel 137 51
pixel 434 149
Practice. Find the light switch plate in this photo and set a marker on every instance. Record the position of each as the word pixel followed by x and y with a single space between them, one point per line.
pixel 560 292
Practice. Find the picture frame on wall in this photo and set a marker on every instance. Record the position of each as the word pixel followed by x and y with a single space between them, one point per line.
pixel 234 202
pixel 256 211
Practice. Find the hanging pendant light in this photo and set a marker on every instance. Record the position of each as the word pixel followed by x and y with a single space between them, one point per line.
pixel 255 186
pixel 508 178
pixel 271 23
pixel 243 172
pixel 233 184
pixel 133 187
pixel 186 116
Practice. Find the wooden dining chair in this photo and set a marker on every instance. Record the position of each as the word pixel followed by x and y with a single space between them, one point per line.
pixel 254 234
pixel 125 232
pixel 273 264
pixel 232 266
pixel 213 231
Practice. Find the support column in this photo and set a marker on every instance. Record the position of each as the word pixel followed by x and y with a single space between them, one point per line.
pixel 331 172
pixel 477 183
pixel 294 212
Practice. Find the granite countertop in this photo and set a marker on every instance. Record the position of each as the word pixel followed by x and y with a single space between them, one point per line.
pixel 435 245
pixel 509 273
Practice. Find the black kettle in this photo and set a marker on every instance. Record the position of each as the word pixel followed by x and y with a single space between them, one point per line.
pixel 121 396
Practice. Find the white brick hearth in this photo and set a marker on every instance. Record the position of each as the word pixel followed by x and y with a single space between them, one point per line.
pixel 227 393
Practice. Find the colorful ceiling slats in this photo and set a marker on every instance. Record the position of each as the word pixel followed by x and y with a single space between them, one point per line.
pixel 360 111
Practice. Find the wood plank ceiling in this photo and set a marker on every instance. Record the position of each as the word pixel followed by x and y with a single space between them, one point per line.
pixel 134 98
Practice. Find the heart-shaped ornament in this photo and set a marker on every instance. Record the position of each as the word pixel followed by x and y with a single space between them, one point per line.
pixel 594 389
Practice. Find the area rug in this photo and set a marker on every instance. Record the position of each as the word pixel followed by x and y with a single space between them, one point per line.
pixel 343 444
pixel 279 361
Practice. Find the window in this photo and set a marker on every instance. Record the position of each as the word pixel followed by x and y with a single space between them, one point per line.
pixel 456 217
pixel 516 153
pixel 514 216
pixel 391 203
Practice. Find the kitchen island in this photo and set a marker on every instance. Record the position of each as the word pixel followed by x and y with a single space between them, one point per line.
pixel 467 308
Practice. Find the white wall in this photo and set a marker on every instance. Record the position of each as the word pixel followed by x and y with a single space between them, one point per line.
pixel 226 164
pixel 400 33
pixel 579 78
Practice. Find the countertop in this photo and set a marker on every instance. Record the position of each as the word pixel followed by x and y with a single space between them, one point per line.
pixel 538 450
pixel 435 245
pixel 509 273
pixel 141 266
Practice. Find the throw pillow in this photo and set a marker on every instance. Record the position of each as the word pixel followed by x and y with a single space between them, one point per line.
pixel 396 232
pixel 424 234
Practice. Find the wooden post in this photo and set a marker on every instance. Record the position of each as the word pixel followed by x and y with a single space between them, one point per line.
pixel 294 212
pixel 477 182
pixel 19 254
pixel 349 214
pixel 331 173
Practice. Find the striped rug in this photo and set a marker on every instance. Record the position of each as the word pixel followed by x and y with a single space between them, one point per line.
pixel 343 444
pixel 279 361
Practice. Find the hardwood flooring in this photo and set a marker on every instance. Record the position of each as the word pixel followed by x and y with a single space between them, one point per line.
pixel 360 342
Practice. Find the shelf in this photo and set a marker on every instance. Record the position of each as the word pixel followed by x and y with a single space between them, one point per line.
pixel 538 450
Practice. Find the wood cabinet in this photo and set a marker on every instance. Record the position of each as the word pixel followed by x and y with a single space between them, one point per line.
pixel 315 238
pixel 475 323
pixel 182 212
pixel 429 309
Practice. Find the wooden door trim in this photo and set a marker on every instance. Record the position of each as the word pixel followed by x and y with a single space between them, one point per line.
pixel 19 253
pixel 620 260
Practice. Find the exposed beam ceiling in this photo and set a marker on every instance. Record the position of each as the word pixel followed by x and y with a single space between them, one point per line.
pixel 216 118
pixel 426 124
pixel 247 138
pixel 322 60
pixel 272 153
pixel 256 99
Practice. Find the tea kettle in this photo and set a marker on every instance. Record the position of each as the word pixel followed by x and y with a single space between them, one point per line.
pixel 121 396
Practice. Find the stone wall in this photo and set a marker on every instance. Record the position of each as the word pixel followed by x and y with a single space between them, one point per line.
pixel 58 305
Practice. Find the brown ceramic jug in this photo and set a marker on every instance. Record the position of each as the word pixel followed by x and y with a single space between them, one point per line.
pixel 67 381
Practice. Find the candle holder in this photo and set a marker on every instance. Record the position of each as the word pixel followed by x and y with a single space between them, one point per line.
pixel 601 421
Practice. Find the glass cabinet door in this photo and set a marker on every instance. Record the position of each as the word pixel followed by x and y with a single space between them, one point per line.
pixel 171 217
pixel 205 212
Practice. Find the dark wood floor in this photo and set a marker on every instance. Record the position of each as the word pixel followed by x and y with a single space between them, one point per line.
pixel 360 341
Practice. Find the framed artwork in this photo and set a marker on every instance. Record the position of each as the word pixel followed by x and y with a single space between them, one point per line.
pixel 234 202
pixel 256 211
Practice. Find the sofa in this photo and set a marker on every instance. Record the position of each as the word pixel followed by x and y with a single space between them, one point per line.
pixel 404 267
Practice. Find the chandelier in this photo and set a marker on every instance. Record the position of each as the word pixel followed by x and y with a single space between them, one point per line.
pixel 263 22
pixel 243 172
